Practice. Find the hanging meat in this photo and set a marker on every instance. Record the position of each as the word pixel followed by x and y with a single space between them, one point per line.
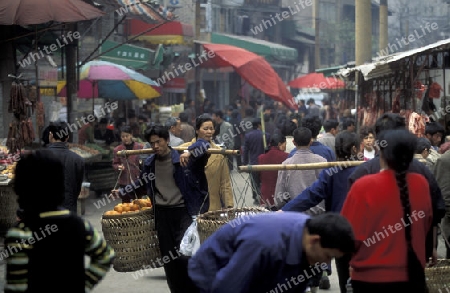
pixel 17 104
pixel 40 114
pixel 21 132
pixel 396 101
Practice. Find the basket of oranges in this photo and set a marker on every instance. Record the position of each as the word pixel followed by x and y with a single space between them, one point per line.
pixel 130 230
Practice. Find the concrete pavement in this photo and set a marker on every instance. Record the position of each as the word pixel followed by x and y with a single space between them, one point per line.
pixel 154 281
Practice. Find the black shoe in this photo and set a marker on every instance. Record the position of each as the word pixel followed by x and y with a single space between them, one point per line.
pixel 324 283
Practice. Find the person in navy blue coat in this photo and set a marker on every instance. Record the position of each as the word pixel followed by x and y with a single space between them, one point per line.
pixel 331 187
pixel 269 252
pixel 314 124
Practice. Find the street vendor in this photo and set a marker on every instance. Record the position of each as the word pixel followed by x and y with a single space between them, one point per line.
pixel 270 252
pixel 86 133
pixel 178 188
pixel 128 166
pixel 104 134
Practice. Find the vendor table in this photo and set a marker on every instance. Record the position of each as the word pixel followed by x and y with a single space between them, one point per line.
pixel 8 206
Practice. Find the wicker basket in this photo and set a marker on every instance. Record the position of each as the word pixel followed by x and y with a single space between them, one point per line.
pixel 8 208
pixel 210 222
pixel 438 277
pixel 134 239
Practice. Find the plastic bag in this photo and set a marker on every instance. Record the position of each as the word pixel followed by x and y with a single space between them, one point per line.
pixel 191 240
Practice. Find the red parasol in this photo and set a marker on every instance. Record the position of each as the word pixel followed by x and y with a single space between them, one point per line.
pixel 317 80
pixel 251 67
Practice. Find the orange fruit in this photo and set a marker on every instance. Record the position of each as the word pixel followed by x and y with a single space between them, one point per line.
pixel 118 208
pixel 126 208
pixel 134 207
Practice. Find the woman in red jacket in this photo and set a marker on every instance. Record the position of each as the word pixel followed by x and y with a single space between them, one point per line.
pixel 391 214
pixel 275 155
pixel 130 165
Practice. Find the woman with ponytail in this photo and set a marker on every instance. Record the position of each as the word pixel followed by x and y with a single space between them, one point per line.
pixel 391 214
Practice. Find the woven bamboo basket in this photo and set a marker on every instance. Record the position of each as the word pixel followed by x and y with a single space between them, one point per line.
pixel 210 222
pixel 438 277
pixel 8 208
pixel 134 239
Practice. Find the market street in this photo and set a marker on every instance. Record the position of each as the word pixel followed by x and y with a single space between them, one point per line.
pixel 154 280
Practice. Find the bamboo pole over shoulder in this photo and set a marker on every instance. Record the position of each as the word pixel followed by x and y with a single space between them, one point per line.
pixel 180 149
pixel 310 166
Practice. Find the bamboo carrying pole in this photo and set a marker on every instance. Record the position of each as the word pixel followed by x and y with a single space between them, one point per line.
pixel 311 166
pixel 180 149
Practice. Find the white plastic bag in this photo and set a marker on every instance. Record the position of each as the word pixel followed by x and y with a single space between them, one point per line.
pixel 191 239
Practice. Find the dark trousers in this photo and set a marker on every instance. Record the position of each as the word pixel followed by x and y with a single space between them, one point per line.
pixel 343 267
pixel 395 287
pixel 256 184
pixel 171 223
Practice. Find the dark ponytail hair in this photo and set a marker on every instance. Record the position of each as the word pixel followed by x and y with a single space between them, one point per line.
pixel 398 148
pixel 344 143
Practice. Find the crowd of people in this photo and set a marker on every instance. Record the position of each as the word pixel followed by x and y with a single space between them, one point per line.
pixel 351 213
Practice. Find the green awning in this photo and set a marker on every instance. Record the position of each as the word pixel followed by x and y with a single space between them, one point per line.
pixel 271 51
pixel 129 55
pixel 329 71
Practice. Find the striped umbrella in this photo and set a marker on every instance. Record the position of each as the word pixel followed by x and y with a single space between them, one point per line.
pixel 112 81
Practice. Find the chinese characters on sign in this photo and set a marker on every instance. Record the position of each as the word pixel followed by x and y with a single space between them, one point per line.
pixel 131 54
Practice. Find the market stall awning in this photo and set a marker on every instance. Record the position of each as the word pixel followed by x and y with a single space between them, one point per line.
pixel 271 51
pixel 169 33
pixel 131 56
pixel 383 65
pixel 330 71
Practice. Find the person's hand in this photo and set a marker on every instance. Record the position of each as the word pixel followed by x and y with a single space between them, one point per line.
pixel 184 159
pixel 121 167
pixel 433 259
pixel 114 194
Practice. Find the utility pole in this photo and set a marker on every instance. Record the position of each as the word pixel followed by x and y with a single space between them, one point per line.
pixel 363 32
pixel 71 79
pixel 316 23
pixel 383 43
pixel 197 53
pixel 363 41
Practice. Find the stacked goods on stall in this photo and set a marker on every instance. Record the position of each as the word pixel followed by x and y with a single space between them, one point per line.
pixel 88 154
pixel 130 230
pixel 8 164
pixel 164 114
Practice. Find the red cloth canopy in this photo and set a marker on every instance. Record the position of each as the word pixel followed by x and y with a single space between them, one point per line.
pixel 27 12
pixel 251 67
pixel 317 80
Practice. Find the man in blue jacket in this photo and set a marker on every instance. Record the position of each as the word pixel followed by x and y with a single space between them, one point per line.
pixel 178 188
pixel 332 188
pixel 273 252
